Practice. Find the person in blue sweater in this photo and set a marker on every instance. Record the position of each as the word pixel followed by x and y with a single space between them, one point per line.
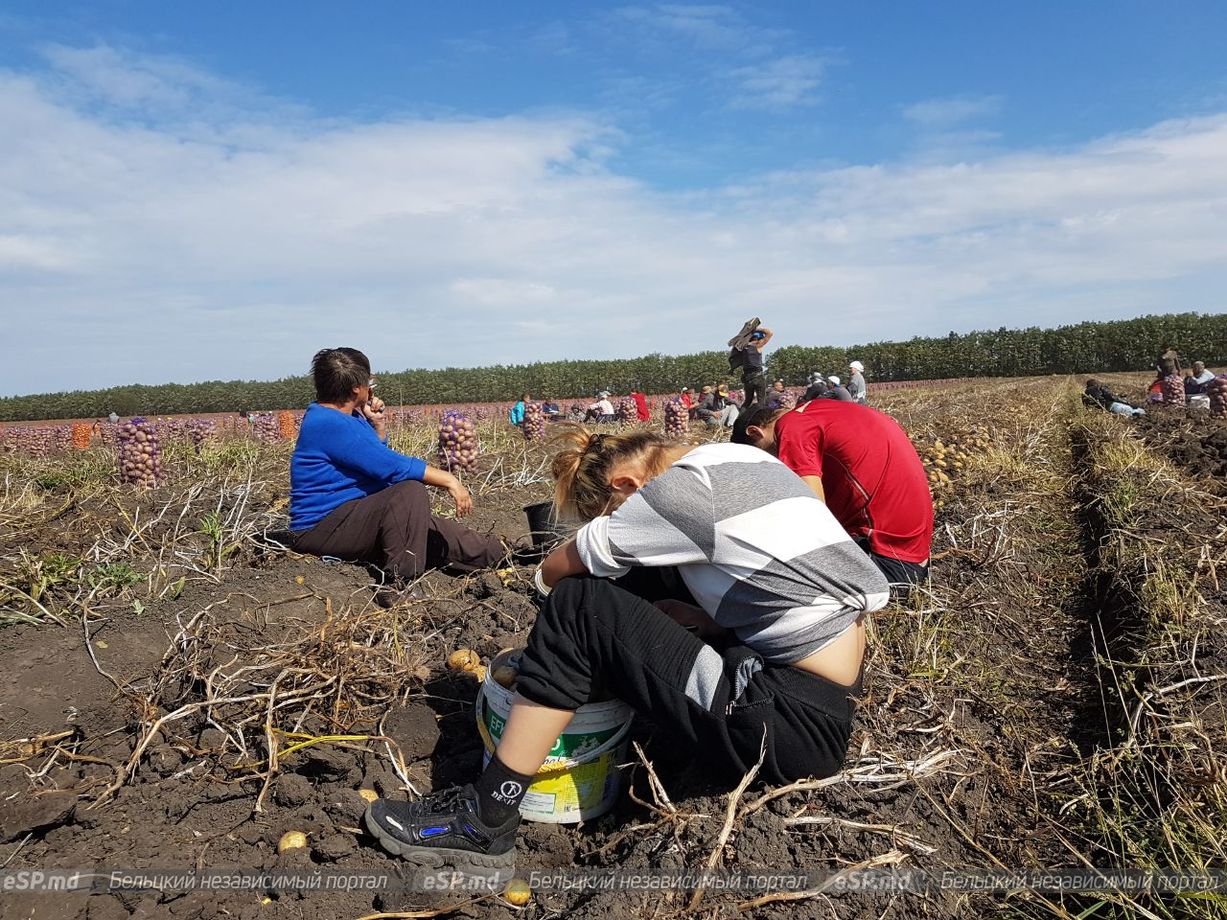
pixel 516 415
pixel 353 497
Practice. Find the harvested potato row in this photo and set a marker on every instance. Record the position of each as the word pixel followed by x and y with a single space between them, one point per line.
pixel 946 458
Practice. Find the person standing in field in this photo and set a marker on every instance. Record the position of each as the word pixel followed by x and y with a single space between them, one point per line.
pixel 863 465
pixel 708 587
pixel 353 497
pixel 516 413
pixel 746 354
pixel 641 406
pixel 1168 363
pixel 856 383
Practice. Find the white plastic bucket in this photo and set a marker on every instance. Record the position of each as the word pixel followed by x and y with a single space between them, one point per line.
pixel 580 779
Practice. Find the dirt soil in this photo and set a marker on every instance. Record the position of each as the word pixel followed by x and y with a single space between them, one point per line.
pixel 972 704
pixel 182 809
pixel 1191 439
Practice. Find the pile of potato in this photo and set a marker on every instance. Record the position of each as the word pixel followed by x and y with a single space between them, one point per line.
pixel 1173 391
pixel 140 459
pixel 533 425
pixel 945 459
pixel 457 442
pixel 80 435
pixel 38 440
pixel 1216 389
pixel 467 661
pixel 677 419
pixel 628 412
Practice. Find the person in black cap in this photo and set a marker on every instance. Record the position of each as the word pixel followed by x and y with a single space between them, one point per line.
pixel 746 353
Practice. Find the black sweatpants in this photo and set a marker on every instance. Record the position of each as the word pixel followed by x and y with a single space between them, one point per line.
pixel 756 388
pixel 596 640
pixel 395 530
pixel 901 575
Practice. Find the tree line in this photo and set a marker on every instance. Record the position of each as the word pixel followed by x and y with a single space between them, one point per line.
pixel 1122 345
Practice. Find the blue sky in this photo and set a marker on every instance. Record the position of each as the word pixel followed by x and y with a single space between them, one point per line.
pixel 557 180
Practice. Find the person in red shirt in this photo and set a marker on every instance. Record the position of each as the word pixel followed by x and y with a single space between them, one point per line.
pixel 863 465
pixel 641 406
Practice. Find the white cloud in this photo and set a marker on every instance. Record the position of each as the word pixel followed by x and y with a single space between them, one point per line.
pixel 708 27
pixel 779 84
pixel 30 253
pixel 948 112
pixel 757 67
pixel 945 131
pixel 504 292
pixel 203 246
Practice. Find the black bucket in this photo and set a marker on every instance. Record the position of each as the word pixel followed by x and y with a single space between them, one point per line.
pixel 543 526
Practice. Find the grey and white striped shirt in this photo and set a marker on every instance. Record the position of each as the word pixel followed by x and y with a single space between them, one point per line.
pixel 758 550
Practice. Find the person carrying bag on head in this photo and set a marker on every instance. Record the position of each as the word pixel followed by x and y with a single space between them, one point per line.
pixel 746 355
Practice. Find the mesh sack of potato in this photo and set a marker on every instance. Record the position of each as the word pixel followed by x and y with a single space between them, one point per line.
pixel 457 442
pixel 140 456
pixel 1173 390
pixel 677 419
pixel 533 425
pixel 1216 389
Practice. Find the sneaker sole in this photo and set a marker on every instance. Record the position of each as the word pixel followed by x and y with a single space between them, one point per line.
pixel 440 857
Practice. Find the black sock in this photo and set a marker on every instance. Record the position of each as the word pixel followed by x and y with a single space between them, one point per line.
pixel 499 792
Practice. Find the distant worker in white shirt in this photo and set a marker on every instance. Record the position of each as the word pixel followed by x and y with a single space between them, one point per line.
pixel 856 383
pixel 602 410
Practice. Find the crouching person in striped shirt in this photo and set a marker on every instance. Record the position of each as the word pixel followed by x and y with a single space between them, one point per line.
pixel 711 588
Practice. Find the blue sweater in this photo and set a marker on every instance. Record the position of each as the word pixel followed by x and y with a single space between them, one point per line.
pixel 516 414
pixel 338 458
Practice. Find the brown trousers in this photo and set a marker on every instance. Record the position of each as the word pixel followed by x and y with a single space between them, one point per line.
pixel 395 530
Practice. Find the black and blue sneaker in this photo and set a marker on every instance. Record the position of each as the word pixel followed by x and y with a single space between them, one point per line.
pixel 444 829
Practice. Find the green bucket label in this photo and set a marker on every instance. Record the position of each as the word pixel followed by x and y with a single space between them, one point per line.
pixel 569 746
